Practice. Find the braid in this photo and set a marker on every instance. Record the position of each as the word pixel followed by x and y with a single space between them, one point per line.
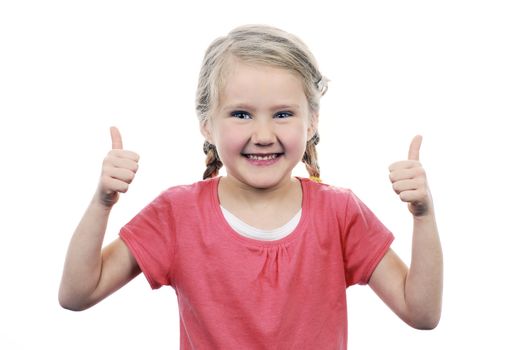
pixel 213 163
pixel 310 158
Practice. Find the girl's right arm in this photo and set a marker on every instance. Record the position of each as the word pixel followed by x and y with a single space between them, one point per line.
pixel 90 273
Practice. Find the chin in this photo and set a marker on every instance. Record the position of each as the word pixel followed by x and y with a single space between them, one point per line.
pixel 263 183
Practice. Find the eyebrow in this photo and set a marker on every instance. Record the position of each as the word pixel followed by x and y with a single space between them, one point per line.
pixel 250 107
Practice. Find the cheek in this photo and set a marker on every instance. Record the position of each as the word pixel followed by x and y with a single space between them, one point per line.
pixel 228 141
pixel 295 140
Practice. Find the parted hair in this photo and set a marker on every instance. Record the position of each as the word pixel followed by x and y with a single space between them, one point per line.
pixel 266 45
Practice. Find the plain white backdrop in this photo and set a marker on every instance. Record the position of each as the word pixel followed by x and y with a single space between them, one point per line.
pixel 452 71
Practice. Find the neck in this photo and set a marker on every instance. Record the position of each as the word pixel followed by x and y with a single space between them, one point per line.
pixel 247 196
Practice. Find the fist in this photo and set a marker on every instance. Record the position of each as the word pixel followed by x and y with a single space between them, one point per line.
pixel 409 181
pixel 118 170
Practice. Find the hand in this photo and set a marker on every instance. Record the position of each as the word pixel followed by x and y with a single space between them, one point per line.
pixel 118 170
pixel 409 181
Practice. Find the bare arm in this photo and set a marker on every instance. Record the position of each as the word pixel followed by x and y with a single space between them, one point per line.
pixel 414 294
pixel 90 273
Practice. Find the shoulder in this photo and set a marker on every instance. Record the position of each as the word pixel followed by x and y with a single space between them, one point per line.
pixel 183 198
pixel 190 191
pixel 326 192
pixel 324 197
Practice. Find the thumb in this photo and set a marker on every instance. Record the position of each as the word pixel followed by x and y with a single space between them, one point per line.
pixel 116 139
pixel 415 145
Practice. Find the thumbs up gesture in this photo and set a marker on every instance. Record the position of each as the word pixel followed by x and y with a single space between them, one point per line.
pixel 409 181
pixel 118 170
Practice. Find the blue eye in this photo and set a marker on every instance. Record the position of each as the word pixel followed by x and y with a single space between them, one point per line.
pixel 282 115
pixel 240 115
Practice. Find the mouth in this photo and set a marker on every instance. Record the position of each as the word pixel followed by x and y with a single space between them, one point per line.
pixel 262 156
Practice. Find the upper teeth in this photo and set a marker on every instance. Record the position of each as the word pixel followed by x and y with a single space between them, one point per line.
pixel 265 157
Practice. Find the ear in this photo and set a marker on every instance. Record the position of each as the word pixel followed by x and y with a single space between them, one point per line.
pixel 205 128
pixel 312 125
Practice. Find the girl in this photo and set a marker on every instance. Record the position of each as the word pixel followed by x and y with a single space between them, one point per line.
pixel 259 259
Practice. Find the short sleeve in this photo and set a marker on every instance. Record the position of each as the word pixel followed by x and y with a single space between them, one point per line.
pixel 149 236
pixel 366 241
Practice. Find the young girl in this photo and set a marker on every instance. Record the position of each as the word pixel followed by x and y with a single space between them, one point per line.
pixel 259 259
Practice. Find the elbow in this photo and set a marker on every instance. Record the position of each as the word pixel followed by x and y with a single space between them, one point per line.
pixel 426 326
pixel 426 322
pixel 68 305
pixel 72 306
pixel 424 315
pixel 68 302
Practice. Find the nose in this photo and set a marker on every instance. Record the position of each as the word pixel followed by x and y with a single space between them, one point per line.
pixel 263 133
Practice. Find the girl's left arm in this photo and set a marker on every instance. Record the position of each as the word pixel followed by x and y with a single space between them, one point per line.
pixel 415 293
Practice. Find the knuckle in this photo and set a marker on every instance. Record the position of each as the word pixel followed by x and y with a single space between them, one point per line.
pixel 130 178
pixel 113 153
pixel 132 156
pixel 107 171
pixel 422 194
pixel 420 171
pixel 395 166
pixel 396 188
pixel 105 180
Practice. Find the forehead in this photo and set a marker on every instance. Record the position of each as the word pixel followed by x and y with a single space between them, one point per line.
pixel 244 82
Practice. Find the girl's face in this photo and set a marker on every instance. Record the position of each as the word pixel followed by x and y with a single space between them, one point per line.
pixel 260 125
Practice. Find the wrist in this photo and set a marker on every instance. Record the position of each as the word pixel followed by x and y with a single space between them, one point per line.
pixel 100 203
pixel 425 218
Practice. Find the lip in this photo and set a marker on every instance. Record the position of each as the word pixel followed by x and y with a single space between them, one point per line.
pixel 262 159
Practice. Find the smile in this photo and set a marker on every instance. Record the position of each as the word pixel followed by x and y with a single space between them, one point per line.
pixel 262 157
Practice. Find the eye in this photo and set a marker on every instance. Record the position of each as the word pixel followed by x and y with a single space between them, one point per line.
pixel 240 114
pixel 282 115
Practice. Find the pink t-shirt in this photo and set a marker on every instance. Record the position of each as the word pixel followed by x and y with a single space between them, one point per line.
pixel 235 292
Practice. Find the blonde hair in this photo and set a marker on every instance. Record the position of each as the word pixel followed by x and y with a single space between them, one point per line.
pixel 263 45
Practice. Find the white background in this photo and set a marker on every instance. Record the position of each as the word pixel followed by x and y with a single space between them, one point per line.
pixel 452 71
